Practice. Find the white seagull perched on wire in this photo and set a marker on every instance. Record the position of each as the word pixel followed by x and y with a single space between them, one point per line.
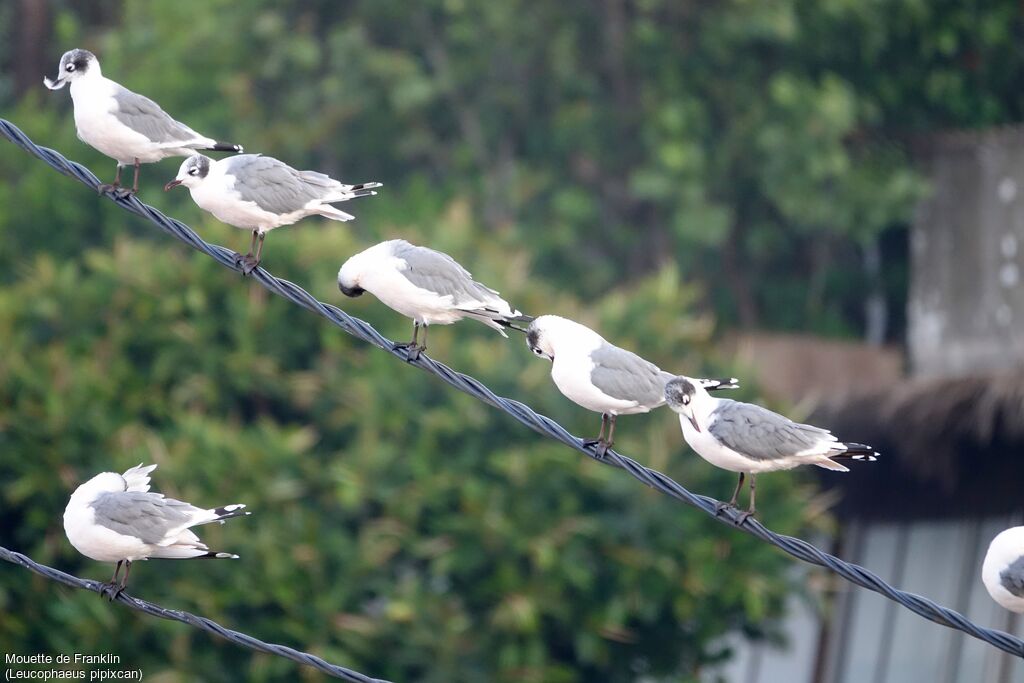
pixel 127 127
pixel 1002 572
pixel 260 193
pixel 114 518
pixel 748 439
pixel 426 285
pixel 600 376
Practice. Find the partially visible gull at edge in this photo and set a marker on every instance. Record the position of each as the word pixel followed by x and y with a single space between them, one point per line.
pixel 1002 572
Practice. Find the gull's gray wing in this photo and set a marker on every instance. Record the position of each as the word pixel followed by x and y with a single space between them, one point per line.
pixel 626 376
pixel 274 185
pixel 147 516
pixel 1012 578
pixel 145 116
pixel 437 272
pixel 761 434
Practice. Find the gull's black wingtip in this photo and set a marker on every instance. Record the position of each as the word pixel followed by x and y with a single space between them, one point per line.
pixel 226 147
pixel 859 451
pixel 510 323
pixel 214 555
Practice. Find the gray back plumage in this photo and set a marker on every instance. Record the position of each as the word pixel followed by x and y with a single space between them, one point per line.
pixel 1012 578
pixel 626 376
pixel 438 272
pixel 145 116
pixel 759 433
pixel 147 516
pixel 274 185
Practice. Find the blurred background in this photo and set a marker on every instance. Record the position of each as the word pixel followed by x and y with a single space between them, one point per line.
pixel 822 197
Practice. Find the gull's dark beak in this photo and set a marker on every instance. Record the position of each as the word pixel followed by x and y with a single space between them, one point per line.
pixel 350 291
pixel 55 84
pixel 693 421
pixel 172 184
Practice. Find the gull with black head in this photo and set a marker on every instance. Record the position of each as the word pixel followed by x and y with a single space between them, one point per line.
pixel 115 518
pixel 600 376
pixel 748 439
pixel 260 193
pixel 125 126
pixel 426 285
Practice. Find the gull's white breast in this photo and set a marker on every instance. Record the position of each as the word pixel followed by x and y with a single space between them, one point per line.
pixel 720 455
pixel 99 128
pixel 708 447
pixel 386 282
pixel 98 542
pixel 571 370
pixel 217 195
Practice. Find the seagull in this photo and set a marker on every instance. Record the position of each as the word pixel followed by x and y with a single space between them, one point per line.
pixel 748 439
pixel 1002 572
pixel 127 127
pixel 426 285
pixel 600 376
pixel 113 518
pixel 260 193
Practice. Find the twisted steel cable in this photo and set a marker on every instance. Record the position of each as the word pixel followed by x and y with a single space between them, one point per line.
pixel 201 623
pixel 524 414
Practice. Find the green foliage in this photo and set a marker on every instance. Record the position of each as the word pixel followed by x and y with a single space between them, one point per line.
pixel 649 167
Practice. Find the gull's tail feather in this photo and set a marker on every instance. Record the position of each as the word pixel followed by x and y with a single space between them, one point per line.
pixel 496 319
pixel 856 451
pixel 328 211
pixel 716 383
pixel 225 147
pixel 356 194
pixel 229 511
pixel 363 186
pixel 826 462
pixel 220 514
pixel 197 551
pixel 712 384
pixel 345 194
pixel 510 322
pixel 212 555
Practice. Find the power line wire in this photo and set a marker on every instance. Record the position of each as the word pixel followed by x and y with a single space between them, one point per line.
pixel 201 623
pixel 796 547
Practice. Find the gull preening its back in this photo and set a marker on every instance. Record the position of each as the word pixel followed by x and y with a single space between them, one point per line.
pixel 127 127
pixel 1002 572
pixel 260 193
pixel 426 285
pixel 748 439
pixel 600 376
pixel 115 518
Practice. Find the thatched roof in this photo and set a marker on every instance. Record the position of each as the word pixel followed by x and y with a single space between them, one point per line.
pixel 950 447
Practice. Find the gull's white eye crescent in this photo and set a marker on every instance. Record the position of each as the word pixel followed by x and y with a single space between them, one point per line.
pixel 193 170
pixel 686 399
pixel 69 67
